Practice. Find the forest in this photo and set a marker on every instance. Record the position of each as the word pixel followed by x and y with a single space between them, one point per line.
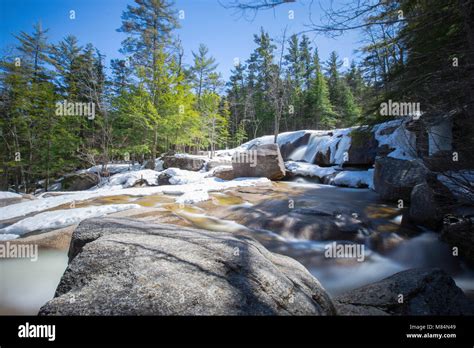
pixel 64 108
pixel 237 158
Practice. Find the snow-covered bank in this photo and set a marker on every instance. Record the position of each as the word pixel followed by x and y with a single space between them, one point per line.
pixel 326 154
pixel 6 194
pixel 394 135
pixel 335 176
pixel 307 169
pixel 186 193
pixel 61 218
pixel 354 179
pixel 114 168
pixel 128 179
pixel 335 144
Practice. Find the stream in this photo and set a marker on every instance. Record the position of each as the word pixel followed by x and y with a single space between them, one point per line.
pixel 298 219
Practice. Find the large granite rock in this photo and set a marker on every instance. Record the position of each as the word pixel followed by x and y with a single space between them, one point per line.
pixel 424 291
pixel 224 172
pixel 394 179
pixel 192 163
pixel 79 182
pixel 260 161
pixel 268 162
pixel 430 201
pixel 127 267
pixel 217 162
pixel 164 179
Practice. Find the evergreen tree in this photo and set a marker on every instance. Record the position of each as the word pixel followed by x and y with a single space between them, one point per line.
pixel 340 95
pixel 202 70
pixel 261 68
pixel 319 108
pixel 148 27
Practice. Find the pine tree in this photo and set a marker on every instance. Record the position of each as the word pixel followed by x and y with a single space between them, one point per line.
pixel 236 97
pixel 149 27
pixel 294 77
pixel 261 68
pixel 319 107
pixel 340 95
pixel 202 70
pixel 121 75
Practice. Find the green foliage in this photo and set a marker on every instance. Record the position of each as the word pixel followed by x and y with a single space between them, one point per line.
pixel 151 103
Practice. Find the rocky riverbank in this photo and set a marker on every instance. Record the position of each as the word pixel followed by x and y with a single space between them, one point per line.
pixel 127 267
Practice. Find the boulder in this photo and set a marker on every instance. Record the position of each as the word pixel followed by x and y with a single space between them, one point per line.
pixel 430 201
pixel 224 172
pixel 424 291
pixel 363 148
pixel 441 161
pixel 120 266
pixel 164 179
pixel 149 164
pixel 79 182
pixel 183 162
pixel 265 161
pixel 394 179
pixel 459 233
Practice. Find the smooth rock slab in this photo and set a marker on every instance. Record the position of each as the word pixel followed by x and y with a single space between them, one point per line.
pixel 425 292
pixel 129 267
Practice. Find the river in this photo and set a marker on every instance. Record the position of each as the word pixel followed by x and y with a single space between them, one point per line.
pixel 299 219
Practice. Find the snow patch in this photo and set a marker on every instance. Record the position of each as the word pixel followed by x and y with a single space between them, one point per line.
pixel 62 218
pixel 113 168
pixel 182 177
pixel 307 169
pixel 354 178
pixel 128 179
pixel 401 140
pixel 6 194
pixel 194 193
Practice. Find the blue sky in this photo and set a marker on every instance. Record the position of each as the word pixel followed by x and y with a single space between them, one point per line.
pixel 225 32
